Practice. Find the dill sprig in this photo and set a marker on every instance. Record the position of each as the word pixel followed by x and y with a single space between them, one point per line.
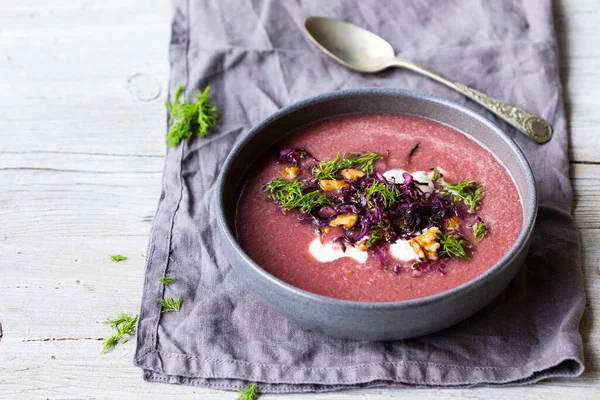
pixel 479 231
pixel 389 196
pixel 123 325
pixel 167 280
pixel 118 257
pixel 290 194
pixel 331 169
pixel 251 393
pixel 453 246
pixel 376 233
pixel 169 304
pixel 190 118
pixel 467 191
pixel 435 174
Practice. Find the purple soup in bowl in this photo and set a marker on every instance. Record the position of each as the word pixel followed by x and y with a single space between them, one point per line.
pixel 424 233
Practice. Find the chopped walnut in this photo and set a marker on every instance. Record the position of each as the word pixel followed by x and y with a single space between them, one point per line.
pixel 426 244
pixel 352 174
pixel 362 246
pixel 345 220
pixel 289 173
pixel 333 184
pixel 453 223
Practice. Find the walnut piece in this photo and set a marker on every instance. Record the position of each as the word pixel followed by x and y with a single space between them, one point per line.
pixel 426 245
pixel 362 246
pixel 352 174
pixel 453 223
pixel 333 184
pixel 289 173
pixel 345 220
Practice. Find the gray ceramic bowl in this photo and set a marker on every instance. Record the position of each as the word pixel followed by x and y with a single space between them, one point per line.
pixel 364 320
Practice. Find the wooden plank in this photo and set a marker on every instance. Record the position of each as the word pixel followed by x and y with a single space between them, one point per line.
pixel 579 42
pixel 97 86
pixel 38 203
pixel 585 179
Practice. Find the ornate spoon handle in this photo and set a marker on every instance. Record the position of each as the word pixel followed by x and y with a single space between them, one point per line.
pixel 529 124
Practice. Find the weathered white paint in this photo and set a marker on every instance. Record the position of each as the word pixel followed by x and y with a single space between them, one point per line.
pixel 81 147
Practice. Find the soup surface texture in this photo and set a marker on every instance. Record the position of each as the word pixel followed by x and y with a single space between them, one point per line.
pixel 279 241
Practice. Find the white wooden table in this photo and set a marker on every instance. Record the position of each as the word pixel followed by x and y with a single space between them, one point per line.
pixel 82 125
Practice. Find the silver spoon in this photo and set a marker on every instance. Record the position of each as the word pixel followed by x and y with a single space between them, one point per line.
pixel 364 51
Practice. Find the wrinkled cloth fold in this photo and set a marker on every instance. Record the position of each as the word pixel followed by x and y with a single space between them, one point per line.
pixel 256 59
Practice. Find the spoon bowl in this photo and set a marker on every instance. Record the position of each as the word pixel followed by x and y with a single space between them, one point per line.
pixel 350 45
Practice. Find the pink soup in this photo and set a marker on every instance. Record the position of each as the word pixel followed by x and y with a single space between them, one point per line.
pixel 279 242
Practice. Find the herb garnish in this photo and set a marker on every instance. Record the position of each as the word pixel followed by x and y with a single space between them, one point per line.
pixel 467 191
pixel 251 393
pixel 387 193
pixel 376 233
pixel 167 280
pixel 453 246
pixel 479 231
pixel 360 161
pixel 412 151
pixel 118 257
pixel 382 211
pixel 292 194
pixel 123 325
pixel 435 174
pixel 190 118
pixel 169 304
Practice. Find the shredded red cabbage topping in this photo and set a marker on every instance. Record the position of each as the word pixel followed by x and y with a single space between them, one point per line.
pixel 372 211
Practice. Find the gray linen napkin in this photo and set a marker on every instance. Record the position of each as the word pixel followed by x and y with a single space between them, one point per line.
pixel 254 56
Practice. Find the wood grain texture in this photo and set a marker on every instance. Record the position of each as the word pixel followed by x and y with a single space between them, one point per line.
pixel 82 126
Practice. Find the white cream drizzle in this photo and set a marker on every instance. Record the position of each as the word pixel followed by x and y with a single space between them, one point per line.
pixel 328 251
pixel 402 251
pixel 419 176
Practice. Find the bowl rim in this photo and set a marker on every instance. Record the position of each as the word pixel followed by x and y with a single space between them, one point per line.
pixel 530 213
